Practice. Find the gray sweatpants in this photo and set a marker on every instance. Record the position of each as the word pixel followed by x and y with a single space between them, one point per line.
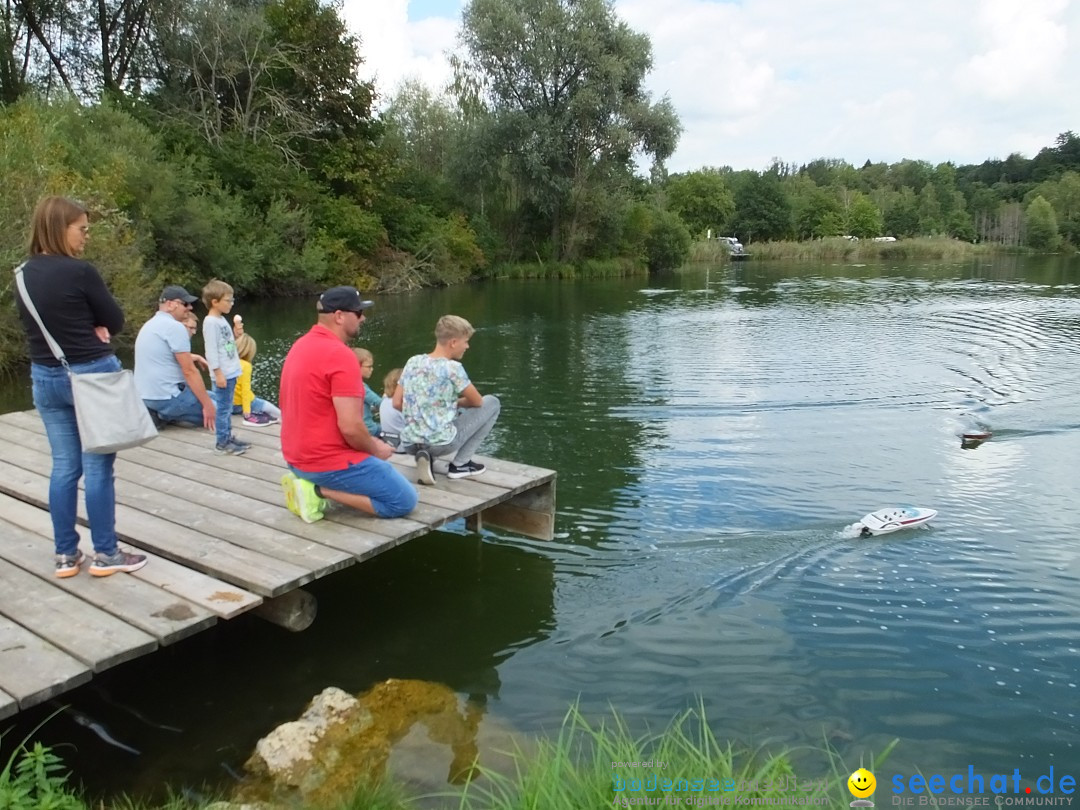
pixel 473 425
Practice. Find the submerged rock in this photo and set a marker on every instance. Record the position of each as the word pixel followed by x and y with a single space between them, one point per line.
pixel 340 741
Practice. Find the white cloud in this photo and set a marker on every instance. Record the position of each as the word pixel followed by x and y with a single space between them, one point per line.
pixel 395 49
pixel 962 80
pixel 1024 48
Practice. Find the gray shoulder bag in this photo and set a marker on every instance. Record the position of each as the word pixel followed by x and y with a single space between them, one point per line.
pixel 110 414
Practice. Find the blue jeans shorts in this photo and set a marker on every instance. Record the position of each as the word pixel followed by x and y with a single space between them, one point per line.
pixel 391 493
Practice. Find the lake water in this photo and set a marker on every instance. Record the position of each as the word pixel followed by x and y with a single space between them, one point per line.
pixel 714 432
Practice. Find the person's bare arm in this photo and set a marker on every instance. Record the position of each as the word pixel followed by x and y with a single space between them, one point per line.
pixel 470 398
pixel 195 382
pixel 350 420
pixel 399 396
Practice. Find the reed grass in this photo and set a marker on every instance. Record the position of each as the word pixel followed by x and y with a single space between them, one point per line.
pixel 588 269
pixel 708 251
pixel 926 247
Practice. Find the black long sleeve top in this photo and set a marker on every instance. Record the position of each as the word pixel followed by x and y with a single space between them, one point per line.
pixel 72 299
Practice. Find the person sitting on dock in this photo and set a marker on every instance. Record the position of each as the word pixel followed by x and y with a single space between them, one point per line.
pixel 444 413
pixel 165 374
pixel 330 453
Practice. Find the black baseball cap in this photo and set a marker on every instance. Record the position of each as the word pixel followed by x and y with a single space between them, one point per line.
pixel 346 299
pixel 174 292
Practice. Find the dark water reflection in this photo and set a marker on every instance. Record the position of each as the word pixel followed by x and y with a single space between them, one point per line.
pixel 714 431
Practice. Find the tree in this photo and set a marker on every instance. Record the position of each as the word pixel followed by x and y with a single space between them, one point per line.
pixel 762 210
pixel 564 81
pixel 930 219
pixel 1040 224
pixel 902 218
pixel 702 201
pixel 817 213
pixel 863 218
pixel 90 47
pixel 1064 195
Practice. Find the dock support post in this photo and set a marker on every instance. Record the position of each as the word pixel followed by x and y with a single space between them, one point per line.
pixel 531 513
pixel 294 610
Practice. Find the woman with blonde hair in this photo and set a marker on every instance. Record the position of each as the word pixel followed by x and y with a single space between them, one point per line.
pixel 78 310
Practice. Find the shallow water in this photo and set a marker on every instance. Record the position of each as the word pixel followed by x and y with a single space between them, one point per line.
pixel 714 433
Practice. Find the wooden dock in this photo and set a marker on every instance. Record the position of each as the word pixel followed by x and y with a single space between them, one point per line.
pixel 220 542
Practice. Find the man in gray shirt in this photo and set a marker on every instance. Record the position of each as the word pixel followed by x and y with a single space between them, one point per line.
pixel 165 374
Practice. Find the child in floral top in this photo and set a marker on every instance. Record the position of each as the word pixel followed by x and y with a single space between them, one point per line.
pixel 444 413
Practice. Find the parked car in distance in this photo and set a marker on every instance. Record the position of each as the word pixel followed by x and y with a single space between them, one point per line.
pixel 884 238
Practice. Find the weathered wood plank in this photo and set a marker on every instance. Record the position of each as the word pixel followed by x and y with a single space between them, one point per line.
pixel 32 670
pixel 438 505
pixel 226 517
pixel 157 612
pixel 253 464
pixel 211 520
pixel 78 628
pixel 268 467
pixel 8 705
pixel 262 492
pixel 249 570
pixel 216 596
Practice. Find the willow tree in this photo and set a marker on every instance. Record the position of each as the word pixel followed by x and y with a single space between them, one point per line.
pixel 559 86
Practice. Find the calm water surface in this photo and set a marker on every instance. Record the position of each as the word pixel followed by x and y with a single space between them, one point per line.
pixel 714 432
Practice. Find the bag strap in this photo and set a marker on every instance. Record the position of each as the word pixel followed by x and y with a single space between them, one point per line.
pixel 58 353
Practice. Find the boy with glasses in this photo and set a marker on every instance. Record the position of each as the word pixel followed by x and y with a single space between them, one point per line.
pixel 224 362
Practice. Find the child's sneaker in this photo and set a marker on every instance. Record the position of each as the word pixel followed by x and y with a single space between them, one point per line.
pixel 231 448
pixel 67 565
pixel 465 470
pixel 423 468
pixel 301 498
pixel 235 441
pixel 120 562
pixel 258 420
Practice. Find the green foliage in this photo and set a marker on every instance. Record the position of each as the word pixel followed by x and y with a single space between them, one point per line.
pixel 1063 195
pixel 1041 225
pixel 702 200
pixel 818 212
pixel 561 86
pixel 902 218
pixel 863 218
pixel 668 244
pixel 34 779
pixel 762 210
pixel 576 768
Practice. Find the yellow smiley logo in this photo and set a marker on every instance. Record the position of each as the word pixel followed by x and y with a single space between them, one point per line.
pixel 861 783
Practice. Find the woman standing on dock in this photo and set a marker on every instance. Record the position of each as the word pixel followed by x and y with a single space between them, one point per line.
pixel 79 311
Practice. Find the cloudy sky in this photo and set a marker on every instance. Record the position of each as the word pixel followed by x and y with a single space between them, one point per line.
pixel 959 80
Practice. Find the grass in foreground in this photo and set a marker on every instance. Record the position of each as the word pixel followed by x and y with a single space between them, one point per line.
pixel 584 768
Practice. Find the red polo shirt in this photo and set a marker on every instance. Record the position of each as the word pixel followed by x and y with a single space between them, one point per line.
pixel 318 367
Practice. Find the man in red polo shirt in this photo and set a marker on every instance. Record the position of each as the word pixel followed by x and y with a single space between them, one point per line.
pixel 330 453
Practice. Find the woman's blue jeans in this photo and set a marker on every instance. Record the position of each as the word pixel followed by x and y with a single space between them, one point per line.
pixel 52 398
